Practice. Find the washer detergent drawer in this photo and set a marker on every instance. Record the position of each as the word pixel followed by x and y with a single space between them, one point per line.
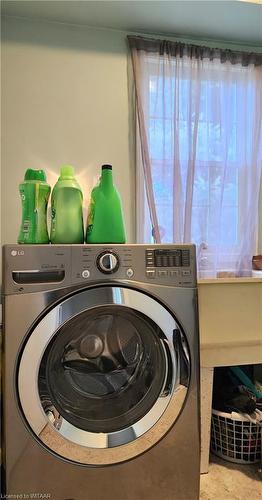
pixel 103 375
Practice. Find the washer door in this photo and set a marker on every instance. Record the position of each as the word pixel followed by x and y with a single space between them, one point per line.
pixel 103 375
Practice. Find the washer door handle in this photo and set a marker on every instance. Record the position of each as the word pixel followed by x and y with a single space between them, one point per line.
pixel 183 357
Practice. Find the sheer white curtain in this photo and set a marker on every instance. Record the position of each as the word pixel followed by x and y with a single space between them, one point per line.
pixel 199 162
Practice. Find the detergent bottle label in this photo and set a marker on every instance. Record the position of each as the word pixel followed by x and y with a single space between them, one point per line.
pixel 90 215
pixel 53 219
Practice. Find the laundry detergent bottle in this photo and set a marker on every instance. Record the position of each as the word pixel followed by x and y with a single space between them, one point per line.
pixel 34 192
pixel 105 222
pixel 67 209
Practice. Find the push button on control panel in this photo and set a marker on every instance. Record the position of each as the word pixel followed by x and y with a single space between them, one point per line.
pixel 162 274
pixel 85 273
pixel 129 272
pixel 150 258
pixel 151 273
pixel 174 274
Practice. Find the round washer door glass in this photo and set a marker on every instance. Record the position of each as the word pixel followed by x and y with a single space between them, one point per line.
pixel 99 376
pixel 103 369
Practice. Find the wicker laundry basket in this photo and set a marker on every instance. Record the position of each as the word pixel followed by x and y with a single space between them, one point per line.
pixel 235 438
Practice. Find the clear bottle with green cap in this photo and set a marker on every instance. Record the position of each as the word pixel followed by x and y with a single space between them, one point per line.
pixel 34 192
pixel 67 209
pixel 105 220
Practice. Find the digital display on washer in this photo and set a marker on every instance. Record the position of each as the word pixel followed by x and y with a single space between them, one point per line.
pixel 168 258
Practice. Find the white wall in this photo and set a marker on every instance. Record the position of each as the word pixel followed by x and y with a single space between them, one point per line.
pixel 64 100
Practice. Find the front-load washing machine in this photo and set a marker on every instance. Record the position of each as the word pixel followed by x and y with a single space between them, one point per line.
pixel 101 372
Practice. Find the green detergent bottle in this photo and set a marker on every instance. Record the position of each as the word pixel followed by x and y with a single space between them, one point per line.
pixel 67 209
pixel 105 222
pixel 34 192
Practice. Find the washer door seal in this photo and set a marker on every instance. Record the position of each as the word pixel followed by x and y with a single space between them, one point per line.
pixel 99 378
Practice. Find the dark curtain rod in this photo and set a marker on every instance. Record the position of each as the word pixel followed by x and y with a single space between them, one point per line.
pixel 180 49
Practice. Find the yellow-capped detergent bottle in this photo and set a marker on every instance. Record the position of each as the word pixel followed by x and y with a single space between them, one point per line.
pixel 105 221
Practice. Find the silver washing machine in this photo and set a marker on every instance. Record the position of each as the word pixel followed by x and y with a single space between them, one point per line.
pixel 101 372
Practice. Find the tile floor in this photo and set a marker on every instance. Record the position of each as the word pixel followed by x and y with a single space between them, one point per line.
pixel 228 481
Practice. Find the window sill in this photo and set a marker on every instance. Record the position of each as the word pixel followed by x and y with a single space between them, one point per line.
pixel 221 281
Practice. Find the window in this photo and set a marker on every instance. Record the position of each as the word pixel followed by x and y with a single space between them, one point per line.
pixel 202 138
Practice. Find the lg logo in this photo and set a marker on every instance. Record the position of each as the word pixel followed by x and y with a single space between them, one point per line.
pixel 14 253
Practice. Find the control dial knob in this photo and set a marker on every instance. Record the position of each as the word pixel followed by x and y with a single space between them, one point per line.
pixel 108 262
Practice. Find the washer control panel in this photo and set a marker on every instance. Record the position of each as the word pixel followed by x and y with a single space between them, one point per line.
pixel 163 264
pixel 176 264
pixel 46 267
